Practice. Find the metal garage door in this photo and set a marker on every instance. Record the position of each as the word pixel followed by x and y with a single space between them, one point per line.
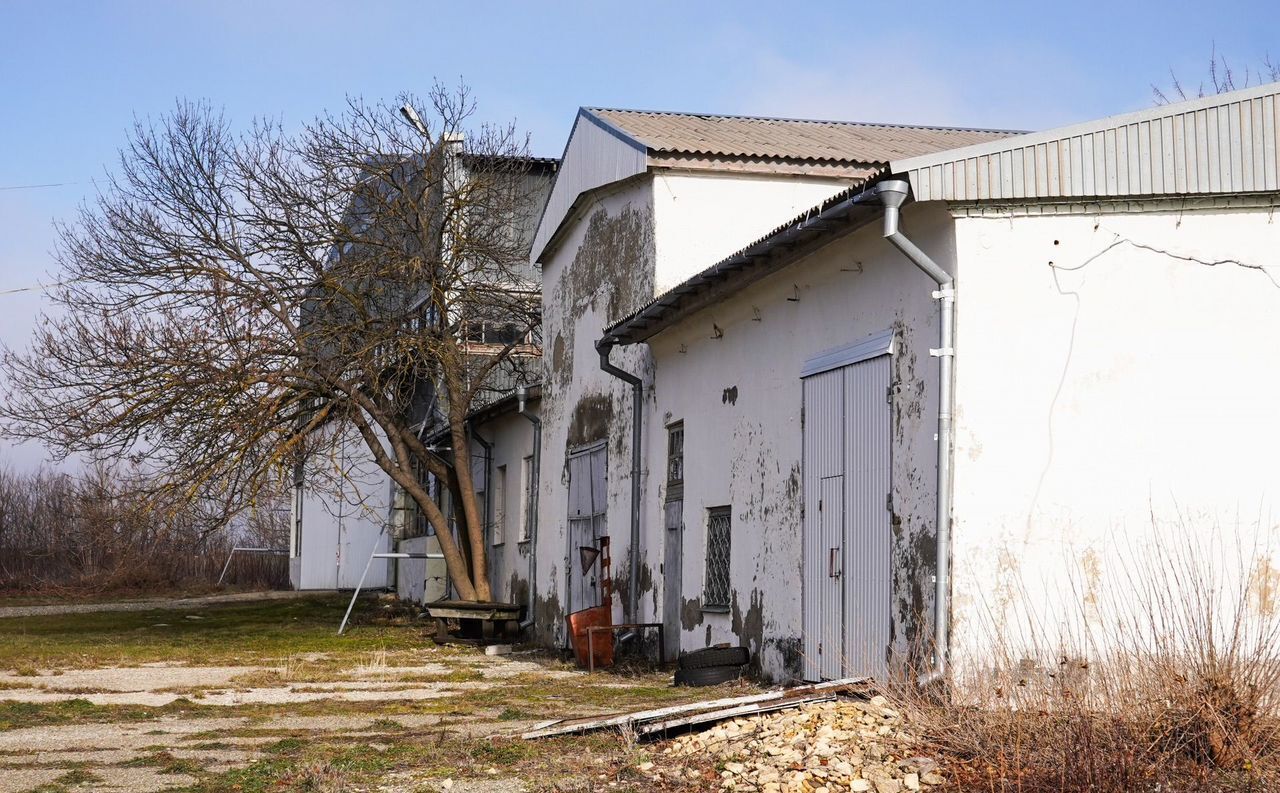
pixel 846 517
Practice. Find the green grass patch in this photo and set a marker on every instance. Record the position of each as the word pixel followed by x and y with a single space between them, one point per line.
pixel 165 763
pixel 232 634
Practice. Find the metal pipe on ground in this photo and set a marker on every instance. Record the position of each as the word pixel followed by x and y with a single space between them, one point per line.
pixel 893 194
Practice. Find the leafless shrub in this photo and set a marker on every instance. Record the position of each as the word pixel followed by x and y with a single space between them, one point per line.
pixel 1173 686
pixel 235 303
pixel 1223 77
pixel 104 531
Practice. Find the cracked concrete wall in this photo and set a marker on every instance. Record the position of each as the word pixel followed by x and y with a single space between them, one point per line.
pixel 739 396
pixel 1116 392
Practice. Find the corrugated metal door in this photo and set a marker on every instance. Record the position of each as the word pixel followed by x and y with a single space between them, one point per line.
pixel 867 517
pixel 823 459
pixel 831 650
pixel 846 520
pixel 587 524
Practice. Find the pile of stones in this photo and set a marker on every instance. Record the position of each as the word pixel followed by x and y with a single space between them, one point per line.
pixel 820 747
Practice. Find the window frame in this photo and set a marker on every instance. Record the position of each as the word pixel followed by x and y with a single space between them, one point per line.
pixel 713 599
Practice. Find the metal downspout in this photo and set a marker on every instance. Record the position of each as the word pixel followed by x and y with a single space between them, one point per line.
pixel 604 347
pixel 522 394
pixel 893 194
pixel 488 487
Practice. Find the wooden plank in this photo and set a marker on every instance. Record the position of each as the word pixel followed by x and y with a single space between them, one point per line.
pixel 474 614
pixel 729 713
pixel 570 726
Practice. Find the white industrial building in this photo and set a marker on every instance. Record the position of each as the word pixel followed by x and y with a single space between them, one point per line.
pixel 642 202
pixel 1116 305
pixel 790 367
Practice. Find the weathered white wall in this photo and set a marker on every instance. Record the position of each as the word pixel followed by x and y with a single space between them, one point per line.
pixel 603 269
pixel 345 513
pixel 740 399
pixel 512 438
pixel 594 156
pixel 1113 398
pixel 703 217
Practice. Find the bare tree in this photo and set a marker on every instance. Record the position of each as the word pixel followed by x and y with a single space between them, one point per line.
pixel 1222 78
pixel 231 303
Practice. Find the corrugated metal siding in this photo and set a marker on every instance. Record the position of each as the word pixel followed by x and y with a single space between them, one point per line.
pixel 866 481
pixel 823 458
pixel 1221 144
pixel 593 157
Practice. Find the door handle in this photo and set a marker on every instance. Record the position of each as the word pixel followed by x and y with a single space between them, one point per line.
pixel 832 572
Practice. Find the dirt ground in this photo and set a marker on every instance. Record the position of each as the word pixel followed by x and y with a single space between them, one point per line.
pixel 256 695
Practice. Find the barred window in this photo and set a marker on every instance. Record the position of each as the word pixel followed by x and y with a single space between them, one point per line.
pixel 716 594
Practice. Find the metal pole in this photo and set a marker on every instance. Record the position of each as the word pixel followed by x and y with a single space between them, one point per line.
pixel 226 566
pixel 604 347
pixel 356 594
pixel 368 564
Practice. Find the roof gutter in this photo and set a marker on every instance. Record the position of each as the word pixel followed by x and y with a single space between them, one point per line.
pixel 893 194
pixel 604 347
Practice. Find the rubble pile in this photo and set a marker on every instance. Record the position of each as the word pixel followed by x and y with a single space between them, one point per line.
pixel 825 746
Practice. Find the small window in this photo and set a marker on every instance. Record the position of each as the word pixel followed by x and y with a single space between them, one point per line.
pixel 675 456
pixel 421 523
pixel 716 594
pixel 500 505
pixel 526 498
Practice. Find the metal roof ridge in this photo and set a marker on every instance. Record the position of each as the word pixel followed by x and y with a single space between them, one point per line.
pixel 1081 127
pixel 879 124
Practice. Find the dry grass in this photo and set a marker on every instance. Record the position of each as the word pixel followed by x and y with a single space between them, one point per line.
pixel 1171 684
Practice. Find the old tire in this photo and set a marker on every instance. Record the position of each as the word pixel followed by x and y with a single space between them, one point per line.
pixel 715 656
pixel 707 675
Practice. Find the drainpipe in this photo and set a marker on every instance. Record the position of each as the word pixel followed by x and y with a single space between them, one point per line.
pixel 604 347
pixel 893 194
pixel 522 394
pixel 488 484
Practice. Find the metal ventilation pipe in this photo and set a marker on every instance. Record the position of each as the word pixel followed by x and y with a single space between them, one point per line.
pixel 893 194
pixel 522 395
pixel 604 347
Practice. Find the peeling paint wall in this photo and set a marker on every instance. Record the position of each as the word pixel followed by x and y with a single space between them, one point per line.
pixel 739 396
pixel 631 243
pixel 602 269
pixel 1116 393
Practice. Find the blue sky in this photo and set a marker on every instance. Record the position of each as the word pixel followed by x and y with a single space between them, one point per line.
pixel 73 75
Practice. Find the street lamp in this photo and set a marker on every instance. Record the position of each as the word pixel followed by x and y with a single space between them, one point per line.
pixel 411 116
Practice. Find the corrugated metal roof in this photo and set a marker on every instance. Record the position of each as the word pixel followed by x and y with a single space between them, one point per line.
pixel 1219 144
pixel 703 135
